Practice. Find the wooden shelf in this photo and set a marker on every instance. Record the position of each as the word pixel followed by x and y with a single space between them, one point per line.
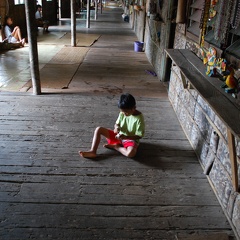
pixel 224 105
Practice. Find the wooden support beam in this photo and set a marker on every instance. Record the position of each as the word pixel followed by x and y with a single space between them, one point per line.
pixel 96 9
pixel 167 41
pixel 30 7
pixel 184 81
pixel 88 14
pixel 73 23
pixel 144 26
pixel 181 11
pixel 59 9
pixel 233 159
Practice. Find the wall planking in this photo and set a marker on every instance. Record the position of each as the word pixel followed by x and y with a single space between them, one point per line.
pixel 202 125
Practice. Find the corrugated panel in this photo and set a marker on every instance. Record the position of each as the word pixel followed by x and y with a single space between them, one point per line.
pixel 194 29
pixel 209 37
pixel 198 4
pixel 236 31
pixel 196 16
pixel 234 49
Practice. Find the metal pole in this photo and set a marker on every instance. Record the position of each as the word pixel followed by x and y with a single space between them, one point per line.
pixel 88 14
pixel 73 23
pixel 30 7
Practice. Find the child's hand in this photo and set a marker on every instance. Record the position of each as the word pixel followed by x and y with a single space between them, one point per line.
pixel 116 129
pixel 120 136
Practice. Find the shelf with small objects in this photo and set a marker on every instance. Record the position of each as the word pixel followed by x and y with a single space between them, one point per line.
pixel 218 67
pixel 219 32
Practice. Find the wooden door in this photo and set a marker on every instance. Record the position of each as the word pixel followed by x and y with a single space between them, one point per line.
pixel 65 9
pixel 4 9
pixel 49 10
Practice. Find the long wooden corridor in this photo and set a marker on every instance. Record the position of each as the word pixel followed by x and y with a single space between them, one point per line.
pixel 48 192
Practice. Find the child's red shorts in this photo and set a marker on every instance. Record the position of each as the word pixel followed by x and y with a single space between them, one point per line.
pixel 125 143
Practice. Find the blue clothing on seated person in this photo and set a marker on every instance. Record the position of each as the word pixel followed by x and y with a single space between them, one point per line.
pixel 8 35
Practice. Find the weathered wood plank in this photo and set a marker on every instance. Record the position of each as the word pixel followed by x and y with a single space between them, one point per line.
pixel 91 175
pixel 126 234
pixel 233 160
pixel 157 217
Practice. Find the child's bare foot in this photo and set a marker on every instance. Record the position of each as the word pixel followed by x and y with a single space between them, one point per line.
pixel 88 154
pixel 23 41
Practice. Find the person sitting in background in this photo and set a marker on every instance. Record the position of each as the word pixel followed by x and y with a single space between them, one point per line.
pixel 12 36
pixel 39 20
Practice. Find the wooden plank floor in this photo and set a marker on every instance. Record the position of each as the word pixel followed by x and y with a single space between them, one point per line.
pixel 48 192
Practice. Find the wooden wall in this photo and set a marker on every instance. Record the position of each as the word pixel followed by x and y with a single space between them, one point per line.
pixel 208 136
pixel 192 110
pixel 65 9
pixel 3 9
pixel 158 34
pixel 50 9
pixel 190 107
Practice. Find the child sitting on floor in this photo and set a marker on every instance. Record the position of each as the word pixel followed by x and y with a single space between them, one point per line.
pixel 128 130
pixel 13 36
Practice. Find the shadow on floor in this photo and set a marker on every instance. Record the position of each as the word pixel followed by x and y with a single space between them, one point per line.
pixel 154 155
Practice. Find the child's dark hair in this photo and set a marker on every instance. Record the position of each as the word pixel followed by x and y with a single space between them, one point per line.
pixel 5 20
pixel 127 101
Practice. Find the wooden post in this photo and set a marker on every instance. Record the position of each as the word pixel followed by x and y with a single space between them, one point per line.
pixel 96 9
pixel 88 14
pixel 167 42
pixel 144 25
pixel 101 5
pixel 233 159
pixel 132 19
pixel 73 23
pixel 181 11
pixel 30 8
pixel 59 9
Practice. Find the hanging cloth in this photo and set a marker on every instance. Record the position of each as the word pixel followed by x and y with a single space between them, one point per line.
pixel 204 20
pixel 235 18
pixel 222 24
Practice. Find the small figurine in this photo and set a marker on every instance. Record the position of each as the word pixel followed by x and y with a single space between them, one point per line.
pixel 221 65
pixel 210 58
pixel 231 81
pixel 215 66
pixel 211 61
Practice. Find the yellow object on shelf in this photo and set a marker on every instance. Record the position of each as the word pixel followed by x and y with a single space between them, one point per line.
pixel 231 81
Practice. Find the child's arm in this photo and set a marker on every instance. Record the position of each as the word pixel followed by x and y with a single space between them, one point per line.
pixel 116 128
pixel 135 137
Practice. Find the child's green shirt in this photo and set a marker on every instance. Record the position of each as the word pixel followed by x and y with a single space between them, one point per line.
pixel 131 125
